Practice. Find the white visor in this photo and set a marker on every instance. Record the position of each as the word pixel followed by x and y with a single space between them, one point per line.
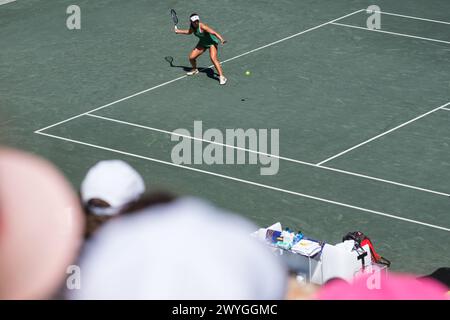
pixel 195 18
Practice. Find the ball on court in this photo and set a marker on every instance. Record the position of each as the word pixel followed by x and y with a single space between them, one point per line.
pixel 247 73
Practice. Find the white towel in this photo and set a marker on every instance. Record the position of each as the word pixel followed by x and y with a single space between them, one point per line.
pixel 306 247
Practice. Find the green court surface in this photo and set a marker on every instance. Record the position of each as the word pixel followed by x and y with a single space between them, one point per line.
pixel 364 116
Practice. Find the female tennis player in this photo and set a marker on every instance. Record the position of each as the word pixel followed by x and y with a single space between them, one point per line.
pixel 208 39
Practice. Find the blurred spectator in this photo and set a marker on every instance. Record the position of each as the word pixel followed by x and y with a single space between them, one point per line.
pixel 150 199
pixel 40 227
pixel 186 249
pixel 442 275
pixel 94 222
pixel 108 189
pixel 299 290
pixel 391 287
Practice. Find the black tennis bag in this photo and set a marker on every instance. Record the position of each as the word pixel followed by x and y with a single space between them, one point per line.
pixel 361 240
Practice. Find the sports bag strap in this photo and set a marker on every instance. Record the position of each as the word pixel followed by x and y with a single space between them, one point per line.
pixel 384 261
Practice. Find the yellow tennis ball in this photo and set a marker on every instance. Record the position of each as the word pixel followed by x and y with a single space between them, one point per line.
pixel 247 73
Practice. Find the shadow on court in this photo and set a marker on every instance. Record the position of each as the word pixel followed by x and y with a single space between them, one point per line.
pixel 208 71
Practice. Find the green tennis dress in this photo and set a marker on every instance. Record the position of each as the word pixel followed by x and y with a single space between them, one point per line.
pixel 206 39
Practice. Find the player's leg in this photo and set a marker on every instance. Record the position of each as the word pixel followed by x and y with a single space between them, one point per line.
pixel 198 51
pixel 216 62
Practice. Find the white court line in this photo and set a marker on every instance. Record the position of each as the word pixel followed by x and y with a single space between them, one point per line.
pixel 2 2
pixel 383 134
pixel 445 109
pixel 274 156
pixel 182 77
pixel 389 32
pixel 292 160
pixel 110 104
pixel 253 183
pixel 295 35
pixel 411 17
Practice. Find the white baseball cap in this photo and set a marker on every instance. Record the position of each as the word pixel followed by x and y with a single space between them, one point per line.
pixel 187 249
pixel 113 181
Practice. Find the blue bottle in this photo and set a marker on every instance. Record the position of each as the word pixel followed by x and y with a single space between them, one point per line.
pixel 298 237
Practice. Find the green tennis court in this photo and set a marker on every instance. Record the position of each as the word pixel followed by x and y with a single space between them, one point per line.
pixel 363 116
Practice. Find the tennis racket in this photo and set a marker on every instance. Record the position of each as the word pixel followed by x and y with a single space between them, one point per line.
pixel 174 16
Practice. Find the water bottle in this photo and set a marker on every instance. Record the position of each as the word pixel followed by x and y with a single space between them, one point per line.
pixel 298 237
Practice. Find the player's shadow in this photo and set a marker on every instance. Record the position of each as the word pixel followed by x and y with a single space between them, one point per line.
pixel 208 71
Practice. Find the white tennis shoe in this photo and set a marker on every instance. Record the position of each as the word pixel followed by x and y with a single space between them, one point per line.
pixel 193 72
pixel 222 80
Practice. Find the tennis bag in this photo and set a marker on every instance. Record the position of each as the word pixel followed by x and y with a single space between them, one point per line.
pixel 361 240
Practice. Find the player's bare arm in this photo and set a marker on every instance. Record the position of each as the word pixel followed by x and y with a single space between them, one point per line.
pixel 213 32
pixel 183 31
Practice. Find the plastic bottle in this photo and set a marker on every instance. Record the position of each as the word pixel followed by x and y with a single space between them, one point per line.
pixel 297 238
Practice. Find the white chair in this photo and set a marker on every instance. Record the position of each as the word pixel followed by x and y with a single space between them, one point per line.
pixel 338 262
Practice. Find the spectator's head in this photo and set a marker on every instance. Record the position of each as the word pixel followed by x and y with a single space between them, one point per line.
pixel 186 249
pixel 336 280
pixel 300 290
pixel 40 227
pixel 442 275
pixel 110 186
pixel 108 189
pixel 382 287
